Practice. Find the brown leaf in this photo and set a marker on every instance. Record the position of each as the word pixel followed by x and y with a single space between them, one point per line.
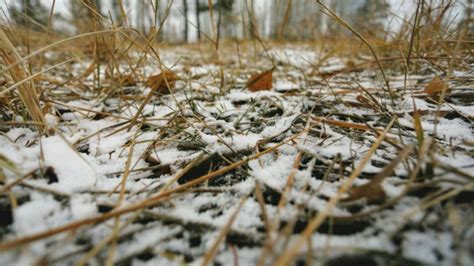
pixel 370 191
pixel 163 82
pixel 436 86
pixel 260 81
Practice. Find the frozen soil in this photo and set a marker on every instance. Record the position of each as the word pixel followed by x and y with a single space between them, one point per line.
pixel 298 143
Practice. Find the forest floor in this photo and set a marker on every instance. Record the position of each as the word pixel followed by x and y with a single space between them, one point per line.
pixel 318 164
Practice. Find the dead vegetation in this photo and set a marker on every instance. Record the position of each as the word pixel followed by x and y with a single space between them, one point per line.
pixel 238 151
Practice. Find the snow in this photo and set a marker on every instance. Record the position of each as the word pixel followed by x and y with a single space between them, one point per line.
pixel 273 172
pixel 83 206
pixel 88 156
pixel 450 129
pixel 33 216
pixel 294 57
pixel 427 244
pixel 75 171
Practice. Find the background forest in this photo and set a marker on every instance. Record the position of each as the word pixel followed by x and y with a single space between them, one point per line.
pixel 236 132
pixel 181 20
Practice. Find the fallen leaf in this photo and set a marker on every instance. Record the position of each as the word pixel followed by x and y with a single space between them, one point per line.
pixel 163 82
pixel 436 86
pixel 260 81
pixel 370 191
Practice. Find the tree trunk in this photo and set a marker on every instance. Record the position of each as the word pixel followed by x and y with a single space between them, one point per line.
pixel 286 18
pixel 185 11
pixel 198 20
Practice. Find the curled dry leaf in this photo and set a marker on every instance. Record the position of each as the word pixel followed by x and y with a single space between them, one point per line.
pixel 436 86
pixel 163 82
pixel 371 191
pixel 261 81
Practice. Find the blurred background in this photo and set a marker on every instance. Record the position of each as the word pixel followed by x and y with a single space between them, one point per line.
pixel 194 20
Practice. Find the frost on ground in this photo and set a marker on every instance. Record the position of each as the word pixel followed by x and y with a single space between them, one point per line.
pixel 103 189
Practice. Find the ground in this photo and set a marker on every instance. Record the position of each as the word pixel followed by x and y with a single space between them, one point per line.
pixel 328 166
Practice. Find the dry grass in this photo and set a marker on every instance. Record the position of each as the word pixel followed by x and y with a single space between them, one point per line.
pixel 123 53
pixel 26 89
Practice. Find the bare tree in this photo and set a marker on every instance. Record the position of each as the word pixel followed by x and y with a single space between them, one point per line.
pixel 140 19
pixel 252 23
pixel 198 19
pixel 370 15
pixel 85 14
pixel 185 11
pixel 117 12
pixel 29 13
pixel 469 17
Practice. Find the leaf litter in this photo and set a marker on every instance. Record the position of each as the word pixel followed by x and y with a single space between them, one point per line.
pixel 179 160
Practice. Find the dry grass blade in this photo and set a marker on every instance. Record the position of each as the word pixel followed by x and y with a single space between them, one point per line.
pixel 342 124
pixel 272 234
pixel 211 253
pixel 420 135
pixel 287 256
pixel 8 164
pixel 182 172
pixel 290 181
pixel 27 90
pixel 102 244
pixel 263 209
pixel 19 83
pixel 6 188
pixel 364 40
pixel 162 83
pixel 137 206
pixel 444 196
pixel 392 201
pixel 224 136
pixel 21 60
pixel 373 190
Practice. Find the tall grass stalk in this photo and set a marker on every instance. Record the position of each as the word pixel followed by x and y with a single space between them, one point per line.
pixel 27 90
